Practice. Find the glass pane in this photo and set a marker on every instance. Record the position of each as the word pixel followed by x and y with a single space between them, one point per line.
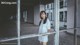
pixel 8 19
pixel 61 16
pixel 30 20
pixel 65 3
pixel 61 4
pixel 67 37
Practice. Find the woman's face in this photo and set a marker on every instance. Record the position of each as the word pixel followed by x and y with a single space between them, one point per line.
pixel 43 15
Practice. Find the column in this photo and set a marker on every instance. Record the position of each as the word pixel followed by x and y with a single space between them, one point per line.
pixel 56 11
pixel 18 21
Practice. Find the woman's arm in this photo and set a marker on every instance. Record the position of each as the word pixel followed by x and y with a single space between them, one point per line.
pixel 48 25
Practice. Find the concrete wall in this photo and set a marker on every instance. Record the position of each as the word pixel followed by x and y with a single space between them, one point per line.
pixel 78 17
pixel 30 15
pixel 36 15
pixel 78 13
pixel 37 10
pixel 70 14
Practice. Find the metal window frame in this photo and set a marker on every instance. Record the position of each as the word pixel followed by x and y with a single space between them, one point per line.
pixel 18 21
pixel 56 37
pixel 56 21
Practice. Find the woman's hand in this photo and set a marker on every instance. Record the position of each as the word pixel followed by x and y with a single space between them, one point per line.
pixel 49 30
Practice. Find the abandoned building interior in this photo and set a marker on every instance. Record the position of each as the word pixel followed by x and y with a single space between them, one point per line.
pixel 19 22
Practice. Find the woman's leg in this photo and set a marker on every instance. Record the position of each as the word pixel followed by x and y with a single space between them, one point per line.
pixel 44 43
pixel 40 43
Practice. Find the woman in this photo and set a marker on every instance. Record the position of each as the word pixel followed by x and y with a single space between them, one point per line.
pixel 44 27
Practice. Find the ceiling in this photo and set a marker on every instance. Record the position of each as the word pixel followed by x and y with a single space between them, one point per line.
pixel 11 9
pixel 8 10
pixel 30 2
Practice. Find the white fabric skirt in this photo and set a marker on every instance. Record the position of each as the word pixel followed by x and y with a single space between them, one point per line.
pixel 43 38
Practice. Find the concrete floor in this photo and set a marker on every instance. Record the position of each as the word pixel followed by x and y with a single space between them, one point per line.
pixel 65 39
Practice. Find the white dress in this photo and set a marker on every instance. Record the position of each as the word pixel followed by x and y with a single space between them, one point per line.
pixel 43 28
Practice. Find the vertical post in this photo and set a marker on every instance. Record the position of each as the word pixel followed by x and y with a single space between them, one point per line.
pixel 75 13
pixel 18 21
pixel 56 37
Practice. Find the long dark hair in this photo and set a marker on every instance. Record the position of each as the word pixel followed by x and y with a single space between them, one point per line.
pixel 42 18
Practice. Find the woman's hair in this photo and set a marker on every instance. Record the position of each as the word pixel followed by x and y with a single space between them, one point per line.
pixel 42 18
